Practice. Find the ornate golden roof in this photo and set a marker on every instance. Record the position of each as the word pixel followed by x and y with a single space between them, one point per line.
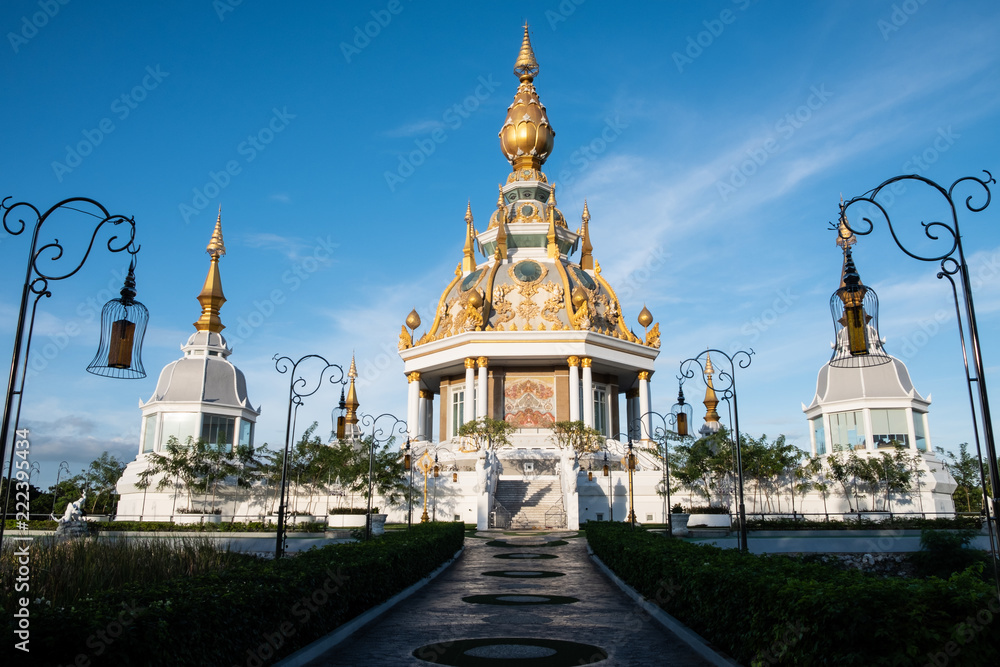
pixel 211 297
pixel 526 137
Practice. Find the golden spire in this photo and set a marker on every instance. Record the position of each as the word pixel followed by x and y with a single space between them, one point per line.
pixel 645 317
pixel 211 297
pixel 586 249
pixel 552 248
pixel 501 242
pixel 352 395
pixel 469 252
pixel 711 400
pixel 526 67
pixel 526 137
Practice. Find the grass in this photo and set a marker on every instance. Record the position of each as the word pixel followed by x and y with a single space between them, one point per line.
pixel 64 572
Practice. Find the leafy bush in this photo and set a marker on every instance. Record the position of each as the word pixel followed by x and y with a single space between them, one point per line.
pixel 252 612
pixel 943 553
pixel 708 509
pixel 770 609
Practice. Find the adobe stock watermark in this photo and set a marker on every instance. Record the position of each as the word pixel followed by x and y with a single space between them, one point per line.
pixel 929 327
pixel 122 106
pixel 964 633
pixel 294 278
pixel 248 149
pixel 452 119
pixel 563 11
pixel 629 286
pixel 785 128
pixel 363 36
pixel 898 17
pixel 757 326
pixel 696 44
pixel 588 153
pixel 30 25
pixel 223 7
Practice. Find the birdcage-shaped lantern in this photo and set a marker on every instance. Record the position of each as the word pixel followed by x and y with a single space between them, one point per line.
pixel 123 327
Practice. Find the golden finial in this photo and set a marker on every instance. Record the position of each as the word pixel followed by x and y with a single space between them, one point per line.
pixel 216 246
pixel 645 317
pixel 352 395
pixel 587 248
pixel 552 248
pixel 526 67
pixel 501 247
pixel 211 297
pixel 578 296
pixel 711 400
pixel 469 251
pixel 413 320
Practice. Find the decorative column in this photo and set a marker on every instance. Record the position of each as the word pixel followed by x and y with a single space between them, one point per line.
pixel 412 405
pixel 588 392
pixel 429 410
pixel 470 389
pixel 644 415
pixel 631 413
pixel 574 388
pixel 481 410
pixel 422 409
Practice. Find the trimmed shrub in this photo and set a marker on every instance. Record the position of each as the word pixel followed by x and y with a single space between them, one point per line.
pixel 774 610
pixel 249 614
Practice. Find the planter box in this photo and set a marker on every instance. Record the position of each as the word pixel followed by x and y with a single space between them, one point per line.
pixel 378 524
pixel 679 524
pixel 189 519
pixel 346 520
pixel 297 519
pixel 709 520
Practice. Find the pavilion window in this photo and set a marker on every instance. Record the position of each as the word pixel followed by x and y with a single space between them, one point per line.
pixel 218 430
pixel 820 433
pixel 889 428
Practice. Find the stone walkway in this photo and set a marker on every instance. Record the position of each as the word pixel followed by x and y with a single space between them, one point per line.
pixel 436 616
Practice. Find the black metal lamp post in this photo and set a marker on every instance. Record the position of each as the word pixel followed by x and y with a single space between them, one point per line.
pixel 124 338
pixel 951 256
pixel 727 391
pixel 437 471
pixel 611 497
pixel 298 388
pixel 628 461
pixel 408 467
pixel 382 431
pixel 679 416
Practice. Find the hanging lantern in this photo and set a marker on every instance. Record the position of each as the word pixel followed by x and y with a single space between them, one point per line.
pixel 123 326
pixel 437 468
pixel 680 412
pixel 590 475
pixel 855 315
pixel 407 460
pixel 454 476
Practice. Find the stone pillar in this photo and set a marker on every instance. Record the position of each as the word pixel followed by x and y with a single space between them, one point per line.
pixel 631 413
pixel 470 389
pixel 481 409
pixel 429 421
pixel 422 409
pixel 644 415
pixel 413 405
pixel 588 392
pixel 574 388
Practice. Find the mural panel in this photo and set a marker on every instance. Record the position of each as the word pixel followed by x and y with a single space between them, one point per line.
pixel 530 402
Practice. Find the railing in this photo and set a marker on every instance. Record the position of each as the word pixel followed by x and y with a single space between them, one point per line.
pixel 555 514
pixel 499 516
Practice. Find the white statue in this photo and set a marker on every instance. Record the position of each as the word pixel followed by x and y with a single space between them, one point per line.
pixel 74 511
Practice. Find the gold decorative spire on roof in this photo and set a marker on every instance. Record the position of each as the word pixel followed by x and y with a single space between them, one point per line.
pixel 352 396
pixel 586 249
pixel 526 137
pixel 711 400
pixel 413 319
pixel 469 251
pixel 501 242
pixel 211 297
pixel 645 317
pixel 552 248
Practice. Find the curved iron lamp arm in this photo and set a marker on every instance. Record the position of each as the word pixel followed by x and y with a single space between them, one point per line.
pixel 298 389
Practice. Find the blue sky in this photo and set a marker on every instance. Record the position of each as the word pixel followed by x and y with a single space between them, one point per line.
pixel 343 162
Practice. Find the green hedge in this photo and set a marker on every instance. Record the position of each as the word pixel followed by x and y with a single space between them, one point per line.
pixel 251 614
pixel 898 522
pixel 765 610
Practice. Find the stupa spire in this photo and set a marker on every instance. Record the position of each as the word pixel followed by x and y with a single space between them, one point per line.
pixel 211 297
pixel 469 251
pixel 711 400
pixel 526 137
pixel 352 404
pixel 586 247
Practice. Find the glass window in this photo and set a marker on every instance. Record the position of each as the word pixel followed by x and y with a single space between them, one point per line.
pixel 149 434
pixel 918 430
pixel 889 428
pixel 601 409
pixel 820 433
pixel 457 410
pixel 180 425
pixel 218 430
pixel 847 430
pixel 246 433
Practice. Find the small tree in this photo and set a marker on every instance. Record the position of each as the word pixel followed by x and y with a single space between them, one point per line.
pixel 965 469
pixel 101 477
pixel 487 432
pixel 577 436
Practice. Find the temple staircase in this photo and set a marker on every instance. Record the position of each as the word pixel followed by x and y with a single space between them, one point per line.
pixel 533 504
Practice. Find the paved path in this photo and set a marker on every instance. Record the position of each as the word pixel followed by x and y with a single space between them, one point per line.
pixel 436 615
